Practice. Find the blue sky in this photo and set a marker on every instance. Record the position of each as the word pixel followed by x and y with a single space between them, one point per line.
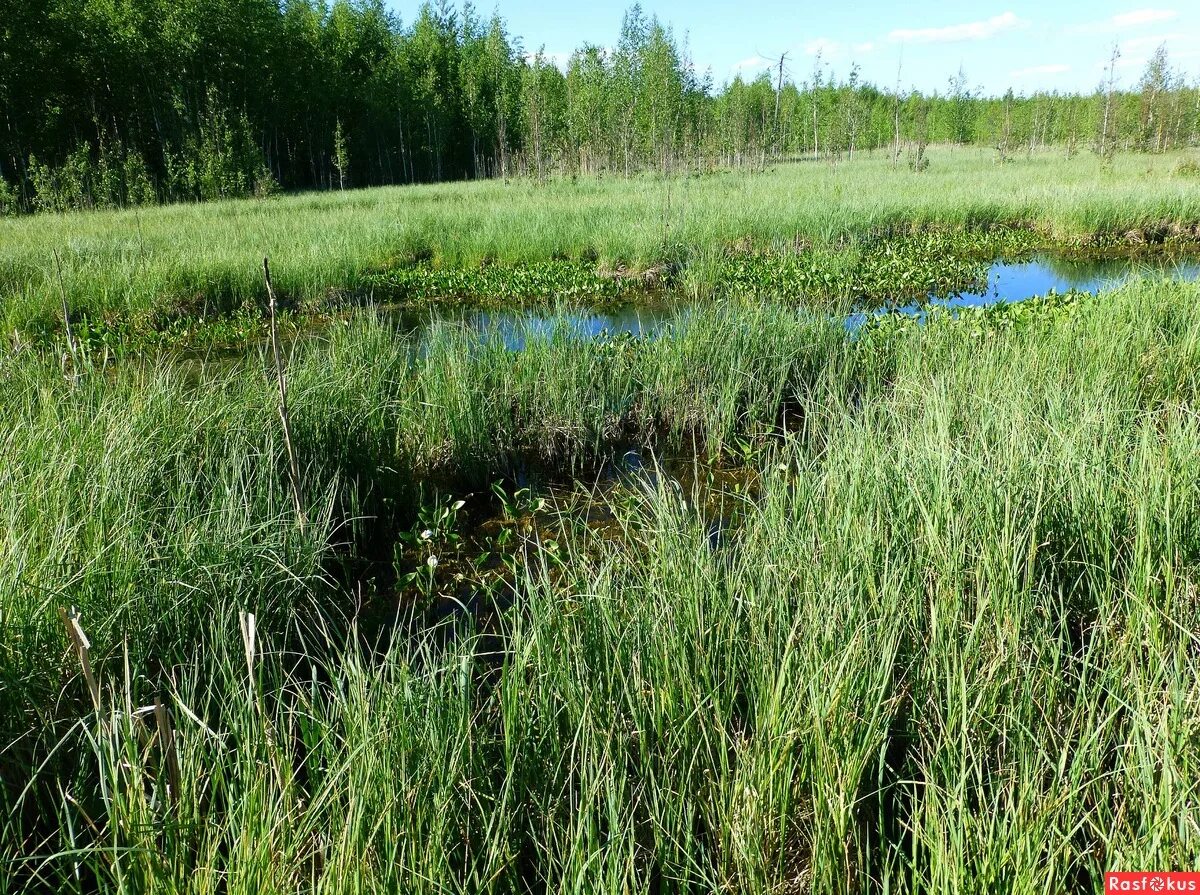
pixel 1055 44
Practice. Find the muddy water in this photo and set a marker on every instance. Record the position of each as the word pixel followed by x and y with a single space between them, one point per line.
pixel 539 518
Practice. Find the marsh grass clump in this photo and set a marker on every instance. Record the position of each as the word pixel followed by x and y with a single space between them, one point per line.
pixel 1187 167
pixel 945 642
pixel 881 267
pixel 491 283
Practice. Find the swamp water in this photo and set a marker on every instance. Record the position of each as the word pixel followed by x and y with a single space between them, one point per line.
pixel 1007 281
pixel 535 517
pixel 478 554
pixel 473 565
pixel 1016 281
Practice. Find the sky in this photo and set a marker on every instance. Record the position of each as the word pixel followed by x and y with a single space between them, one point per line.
pixel 1060 45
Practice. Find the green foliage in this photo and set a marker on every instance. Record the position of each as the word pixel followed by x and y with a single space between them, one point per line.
pixel 873 269
pixel 938 263
pixel 208 95
pixel 918 161
pixel 111 177
pixel 220 161
pixel 341 155
pixel 9 200
pixel 1187 167
pixel 492 283
pixel 265 184
pixel 137 184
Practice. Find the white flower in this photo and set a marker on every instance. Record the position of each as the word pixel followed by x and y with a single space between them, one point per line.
pixel 427 534
pixel 432 562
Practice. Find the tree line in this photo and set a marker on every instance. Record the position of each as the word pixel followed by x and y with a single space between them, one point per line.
pixel 123 102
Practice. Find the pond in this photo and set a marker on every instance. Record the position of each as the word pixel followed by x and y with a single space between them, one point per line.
pixel 1016 281
pixel 1007 281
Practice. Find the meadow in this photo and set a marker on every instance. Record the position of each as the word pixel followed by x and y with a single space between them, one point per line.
pixel 920 616
pixel 152 268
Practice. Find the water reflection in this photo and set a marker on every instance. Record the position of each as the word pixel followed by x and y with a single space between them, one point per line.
pixel 1007 281
pixel 517 327
pixel 1014 281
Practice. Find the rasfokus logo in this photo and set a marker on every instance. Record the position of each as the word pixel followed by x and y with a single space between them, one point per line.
pixel 1165 881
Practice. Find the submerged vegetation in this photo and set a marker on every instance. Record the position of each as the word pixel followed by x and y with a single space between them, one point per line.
pixel 945 641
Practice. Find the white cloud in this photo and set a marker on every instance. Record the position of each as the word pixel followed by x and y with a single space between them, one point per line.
pixel 868 47
pixel 1142 17
pixel 755 63
pixel 1006 21
pixel 1056 68
pixel 1135 18
pixel 1135 45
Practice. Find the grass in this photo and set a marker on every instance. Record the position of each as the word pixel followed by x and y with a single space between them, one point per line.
pixel 156 267
pixel 948 644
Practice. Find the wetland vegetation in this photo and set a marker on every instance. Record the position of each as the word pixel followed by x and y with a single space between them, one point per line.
pixel 937 632
pixel 695 514
pixel 829 234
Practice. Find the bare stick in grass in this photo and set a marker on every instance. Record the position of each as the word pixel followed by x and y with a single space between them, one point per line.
pixel 247 624
pixel 293 466
pixel 82 646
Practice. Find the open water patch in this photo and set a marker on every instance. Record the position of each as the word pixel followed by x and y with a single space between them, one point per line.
pixel 1009 282
pixel 1006 282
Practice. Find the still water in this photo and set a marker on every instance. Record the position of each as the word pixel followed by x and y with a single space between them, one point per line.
pixel 1007 281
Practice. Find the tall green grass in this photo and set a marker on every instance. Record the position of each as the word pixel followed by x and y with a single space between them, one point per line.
pixel 949 644
pixel 138 493
pixel 183 260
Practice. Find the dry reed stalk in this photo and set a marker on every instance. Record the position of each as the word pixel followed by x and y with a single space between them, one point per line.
pixel 166 737
pixel 62 288
pixel 82 646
